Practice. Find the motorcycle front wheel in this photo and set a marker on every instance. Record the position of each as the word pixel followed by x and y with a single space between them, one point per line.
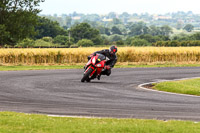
pixel 86 75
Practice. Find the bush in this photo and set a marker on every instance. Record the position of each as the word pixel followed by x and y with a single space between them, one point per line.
pixel 60 39
pixel 175 43
pixel 25 43
pixel 106 42
pixel 120 42
pixel 42 43
pixel 85 43
pixel 140 42
pixel 115 37
pixel 47 39
pixel 45 42
pixel 149 38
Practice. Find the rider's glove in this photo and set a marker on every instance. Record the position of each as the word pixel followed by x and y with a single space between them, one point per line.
pixel 107 67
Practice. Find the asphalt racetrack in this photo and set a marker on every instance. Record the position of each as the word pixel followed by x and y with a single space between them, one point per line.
pixel 60 92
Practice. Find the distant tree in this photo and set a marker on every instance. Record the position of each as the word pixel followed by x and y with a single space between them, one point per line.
pixel 4 35
pixel 112 15
pixel 85 31
pixel 125 15
pixel 41 43
pixel 120 42
pixel 85 43
pixel 153 30
pixel 117 21
pixel 189 27
pixel 68 21
pixel 74 14
pixel 18 18
pixel 107 31
pixel 138 29
pixel 128 40
pixel 94 17
pixel 166 30
pixel 195 36
pixel 47 39
pixel 179 25
pixel 140 42
pixel 101 29
pixel 114 38
pixel 93 24
pixel 116 30
pixel 149 38
pixel 25 43
pixel 49 28
pixel 76 22
pixel 61 39
pixel 181 37
pixel 104 30
pixel 106 42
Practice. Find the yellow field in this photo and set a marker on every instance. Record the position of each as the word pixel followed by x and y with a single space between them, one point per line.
pixel 79 55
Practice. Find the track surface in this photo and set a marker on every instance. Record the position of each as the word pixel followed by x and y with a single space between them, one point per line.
pixel 60 92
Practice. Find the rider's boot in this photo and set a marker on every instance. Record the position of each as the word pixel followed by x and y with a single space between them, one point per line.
pixel 99 76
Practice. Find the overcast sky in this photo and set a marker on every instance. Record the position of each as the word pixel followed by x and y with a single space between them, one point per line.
pixel 118 6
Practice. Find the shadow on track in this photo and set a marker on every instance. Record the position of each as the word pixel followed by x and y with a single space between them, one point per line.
pixel 98 82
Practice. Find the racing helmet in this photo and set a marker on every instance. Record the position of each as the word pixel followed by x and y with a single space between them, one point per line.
pixel 113 49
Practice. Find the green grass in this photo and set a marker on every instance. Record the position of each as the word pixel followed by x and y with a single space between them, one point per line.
pixel 18 68
pixel 190 86
pixel 11 122
pixel 80 66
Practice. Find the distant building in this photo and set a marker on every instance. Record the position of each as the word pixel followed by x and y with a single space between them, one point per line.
pixel 107 20
pixel 157 17
pixel 76 18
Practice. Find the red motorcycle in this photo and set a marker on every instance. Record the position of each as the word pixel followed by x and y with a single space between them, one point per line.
pixel 94 67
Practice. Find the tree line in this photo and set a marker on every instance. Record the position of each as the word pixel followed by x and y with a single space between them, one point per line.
pixel 176 20
pixel 20 26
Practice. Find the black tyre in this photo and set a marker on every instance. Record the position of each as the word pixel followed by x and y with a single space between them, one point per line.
pixel 88 80
pixel 86 75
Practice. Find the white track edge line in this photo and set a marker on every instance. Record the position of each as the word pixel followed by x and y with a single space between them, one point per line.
pixel 141 87
pixel 73 116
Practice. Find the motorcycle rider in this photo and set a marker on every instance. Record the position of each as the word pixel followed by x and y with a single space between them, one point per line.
pixel 111 58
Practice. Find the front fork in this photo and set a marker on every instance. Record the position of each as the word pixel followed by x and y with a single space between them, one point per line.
pixel 94 70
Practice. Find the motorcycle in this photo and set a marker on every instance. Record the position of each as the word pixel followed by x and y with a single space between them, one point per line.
pixel 94 67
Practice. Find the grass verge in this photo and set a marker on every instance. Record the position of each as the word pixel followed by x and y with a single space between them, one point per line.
pixel 11 122
pixel 190 86
pixel 80 66
pixel 20 67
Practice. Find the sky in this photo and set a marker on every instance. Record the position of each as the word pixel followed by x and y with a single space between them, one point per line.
pixel 118 6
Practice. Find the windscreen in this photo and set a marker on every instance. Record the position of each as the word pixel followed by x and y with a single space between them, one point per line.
pixel 101 57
